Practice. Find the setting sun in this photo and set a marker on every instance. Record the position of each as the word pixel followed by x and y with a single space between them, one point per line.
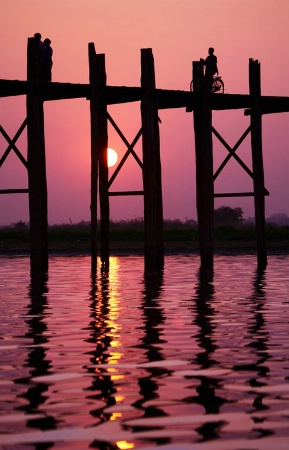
pixel 111 157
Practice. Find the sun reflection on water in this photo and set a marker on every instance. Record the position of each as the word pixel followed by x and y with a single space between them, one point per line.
pixel 114 328
pixel 124 445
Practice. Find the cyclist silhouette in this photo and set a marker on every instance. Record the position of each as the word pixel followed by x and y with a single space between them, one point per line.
pixel 211 67
pixel 213 83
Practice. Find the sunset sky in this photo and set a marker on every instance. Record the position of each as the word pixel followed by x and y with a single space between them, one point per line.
pixel 179 32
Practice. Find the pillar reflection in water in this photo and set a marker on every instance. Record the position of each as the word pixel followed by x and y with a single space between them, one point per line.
pixel 258 337
pixel 36 359
pixel 154 320
pixel 204 313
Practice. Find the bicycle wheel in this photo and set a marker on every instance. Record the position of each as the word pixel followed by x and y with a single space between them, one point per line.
pixel 197 87
pixel 218 85
pixel 222 86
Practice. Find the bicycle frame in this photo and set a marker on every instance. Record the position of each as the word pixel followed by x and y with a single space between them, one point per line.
pixel 217 85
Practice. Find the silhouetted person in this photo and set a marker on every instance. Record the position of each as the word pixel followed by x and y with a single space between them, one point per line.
pixel 211 67
pixel 37 36
pixel 46 62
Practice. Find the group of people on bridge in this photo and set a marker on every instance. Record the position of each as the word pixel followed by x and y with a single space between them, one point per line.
pixel 45 58
pixel 45 62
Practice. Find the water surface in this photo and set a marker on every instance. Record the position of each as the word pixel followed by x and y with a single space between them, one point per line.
pixel 177 360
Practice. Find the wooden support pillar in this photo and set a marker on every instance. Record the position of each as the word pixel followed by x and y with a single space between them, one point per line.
pixel 204 167
pixel 257 160
pixel 99 142
pixel 153 206
pixel 93 150
pixel 36 164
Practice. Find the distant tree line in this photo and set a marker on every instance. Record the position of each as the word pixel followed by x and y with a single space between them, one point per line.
pixel 223 216
pixel 229 226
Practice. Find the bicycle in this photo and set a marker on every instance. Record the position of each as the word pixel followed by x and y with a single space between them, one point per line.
pixel 217 85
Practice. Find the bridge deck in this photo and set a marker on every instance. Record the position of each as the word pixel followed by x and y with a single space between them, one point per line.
pixel 166 99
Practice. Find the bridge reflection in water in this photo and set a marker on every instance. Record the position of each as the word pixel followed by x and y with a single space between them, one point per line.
pixel 132 358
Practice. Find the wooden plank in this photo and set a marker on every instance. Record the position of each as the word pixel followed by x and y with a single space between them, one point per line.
pixel 204 168
pixel 14 191
pixel 11 88
pixel 153 207
pixel 234 194
pixel 167 99
pixel 122 94
pixel 120 193
pixel 63 91
pixel 238 194
pixel 36 165
pixel 257 160
pixel 112 94
pixel 271 105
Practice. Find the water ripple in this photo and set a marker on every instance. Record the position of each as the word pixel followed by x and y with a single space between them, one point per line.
pixel 177 359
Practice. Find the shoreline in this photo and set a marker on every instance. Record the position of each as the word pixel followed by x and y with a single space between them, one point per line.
pixel 121 248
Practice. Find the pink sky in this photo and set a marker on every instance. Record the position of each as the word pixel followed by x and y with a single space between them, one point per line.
pixel 179 32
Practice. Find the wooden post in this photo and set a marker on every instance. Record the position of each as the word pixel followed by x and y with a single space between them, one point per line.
pixel 36 164
pixel 204 167
pixel 257 160
pixel 99 142
pixel 93 150
pixel 153 207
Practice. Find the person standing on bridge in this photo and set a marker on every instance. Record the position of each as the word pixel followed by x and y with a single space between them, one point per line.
pixel 211 67
pixel 46 62
pixel 37 36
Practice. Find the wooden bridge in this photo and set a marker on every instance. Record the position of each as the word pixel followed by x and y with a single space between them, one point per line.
pixel 200 102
